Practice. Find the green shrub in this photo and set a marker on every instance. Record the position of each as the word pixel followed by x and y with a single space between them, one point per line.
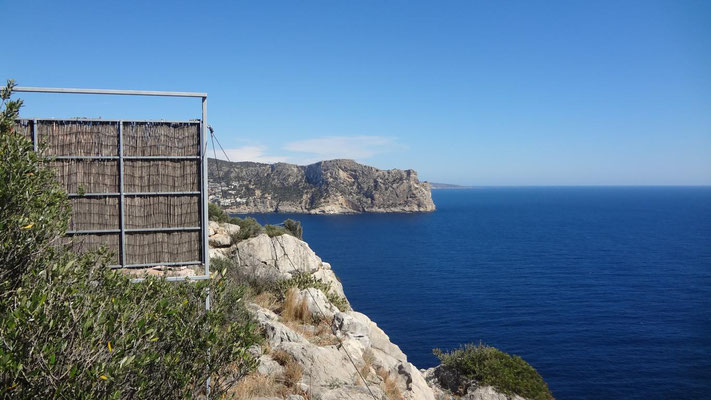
pixel 34 209
pixel 79 330
pixel 489 366
pixel 217 214
pixel 72 328
pixel 294 228
pixel 275 230
pixel 289 227
pixel 248 228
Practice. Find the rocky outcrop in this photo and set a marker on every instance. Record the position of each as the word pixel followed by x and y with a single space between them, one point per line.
pixel 326 187
pixel 334 348
pixel 448 384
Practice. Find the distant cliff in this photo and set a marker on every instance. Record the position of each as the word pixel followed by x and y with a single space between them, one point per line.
pixel 326 187
pixel 436 185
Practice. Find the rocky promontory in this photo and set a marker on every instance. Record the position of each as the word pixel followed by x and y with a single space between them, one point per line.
pixel 315 345
pixel 326 187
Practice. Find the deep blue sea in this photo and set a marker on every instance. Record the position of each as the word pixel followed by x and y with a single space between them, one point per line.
pixel 606 291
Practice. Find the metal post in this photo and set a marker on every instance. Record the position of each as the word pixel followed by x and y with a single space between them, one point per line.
pixel 122 209
pixel 205 249
pixel 203 154
pixel 35 145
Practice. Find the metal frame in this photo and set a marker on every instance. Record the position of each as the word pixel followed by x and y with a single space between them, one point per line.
pixel 28 89
pixel 202 157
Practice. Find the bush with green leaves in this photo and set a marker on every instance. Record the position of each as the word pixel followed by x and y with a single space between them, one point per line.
pixel 76 329
pixel 217 214
pixel 72 328
pixel 294 228
pixel 488 366
pixel 275 230
pixel 33 206
pixel 249 227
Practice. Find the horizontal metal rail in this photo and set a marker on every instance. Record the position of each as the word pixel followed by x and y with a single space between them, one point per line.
pixel 149 265
pixel 134 194
pixel 178 278
pixel 115 121
pixel 171 229
pixel 161 193
pixel 128 158
pixel 136 230
pixel 93 231
pixel 84 157
pixel 28 89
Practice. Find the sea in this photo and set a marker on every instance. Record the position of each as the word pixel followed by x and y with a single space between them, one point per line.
pixel 606 291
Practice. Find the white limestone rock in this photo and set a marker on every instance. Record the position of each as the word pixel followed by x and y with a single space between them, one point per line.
pixel 276 258
pixel 327 276
pixel 488 393
pixel 352 392
pixel 346 326
pixel 267 366
pixel 220 240
pixel 230 229
pixel 317 303
pixel 274 331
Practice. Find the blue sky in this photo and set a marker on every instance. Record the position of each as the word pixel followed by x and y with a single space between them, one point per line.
pixel 474 93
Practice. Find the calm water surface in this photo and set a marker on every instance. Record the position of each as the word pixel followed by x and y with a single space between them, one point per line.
pixel 606 291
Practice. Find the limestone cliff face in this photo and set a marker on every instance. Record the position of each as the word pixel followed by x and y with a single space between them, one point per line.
pixel 326 187
pixel 325 346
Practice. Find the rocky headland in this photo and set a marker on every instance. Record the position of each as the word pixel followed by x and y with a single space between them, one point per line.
pixel 326 187
pixel 315 345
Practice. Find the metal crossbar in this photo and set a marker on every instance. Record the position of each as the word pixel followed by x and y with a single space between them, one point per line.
pixel 28 89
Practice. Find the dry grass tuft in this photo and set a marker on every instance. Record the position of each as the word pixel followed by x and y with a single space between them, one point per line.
pixel 368 359
pixel 323 335
pixel 292 373
pixel 266 348
pixel 389 385
pixel 266 300
pixel 295 307
pixel 292 370
pixel 320 334
pixel 281 357
pixel 255 385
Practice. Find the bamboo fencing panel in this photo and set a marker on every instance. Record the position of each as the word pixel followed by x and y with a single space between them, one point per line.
pixel 140 200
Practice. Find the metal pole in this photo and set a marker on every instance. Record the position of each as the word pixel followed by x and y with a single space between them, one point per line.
pixel 122 208
pixel 203 154
pixel 205 250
